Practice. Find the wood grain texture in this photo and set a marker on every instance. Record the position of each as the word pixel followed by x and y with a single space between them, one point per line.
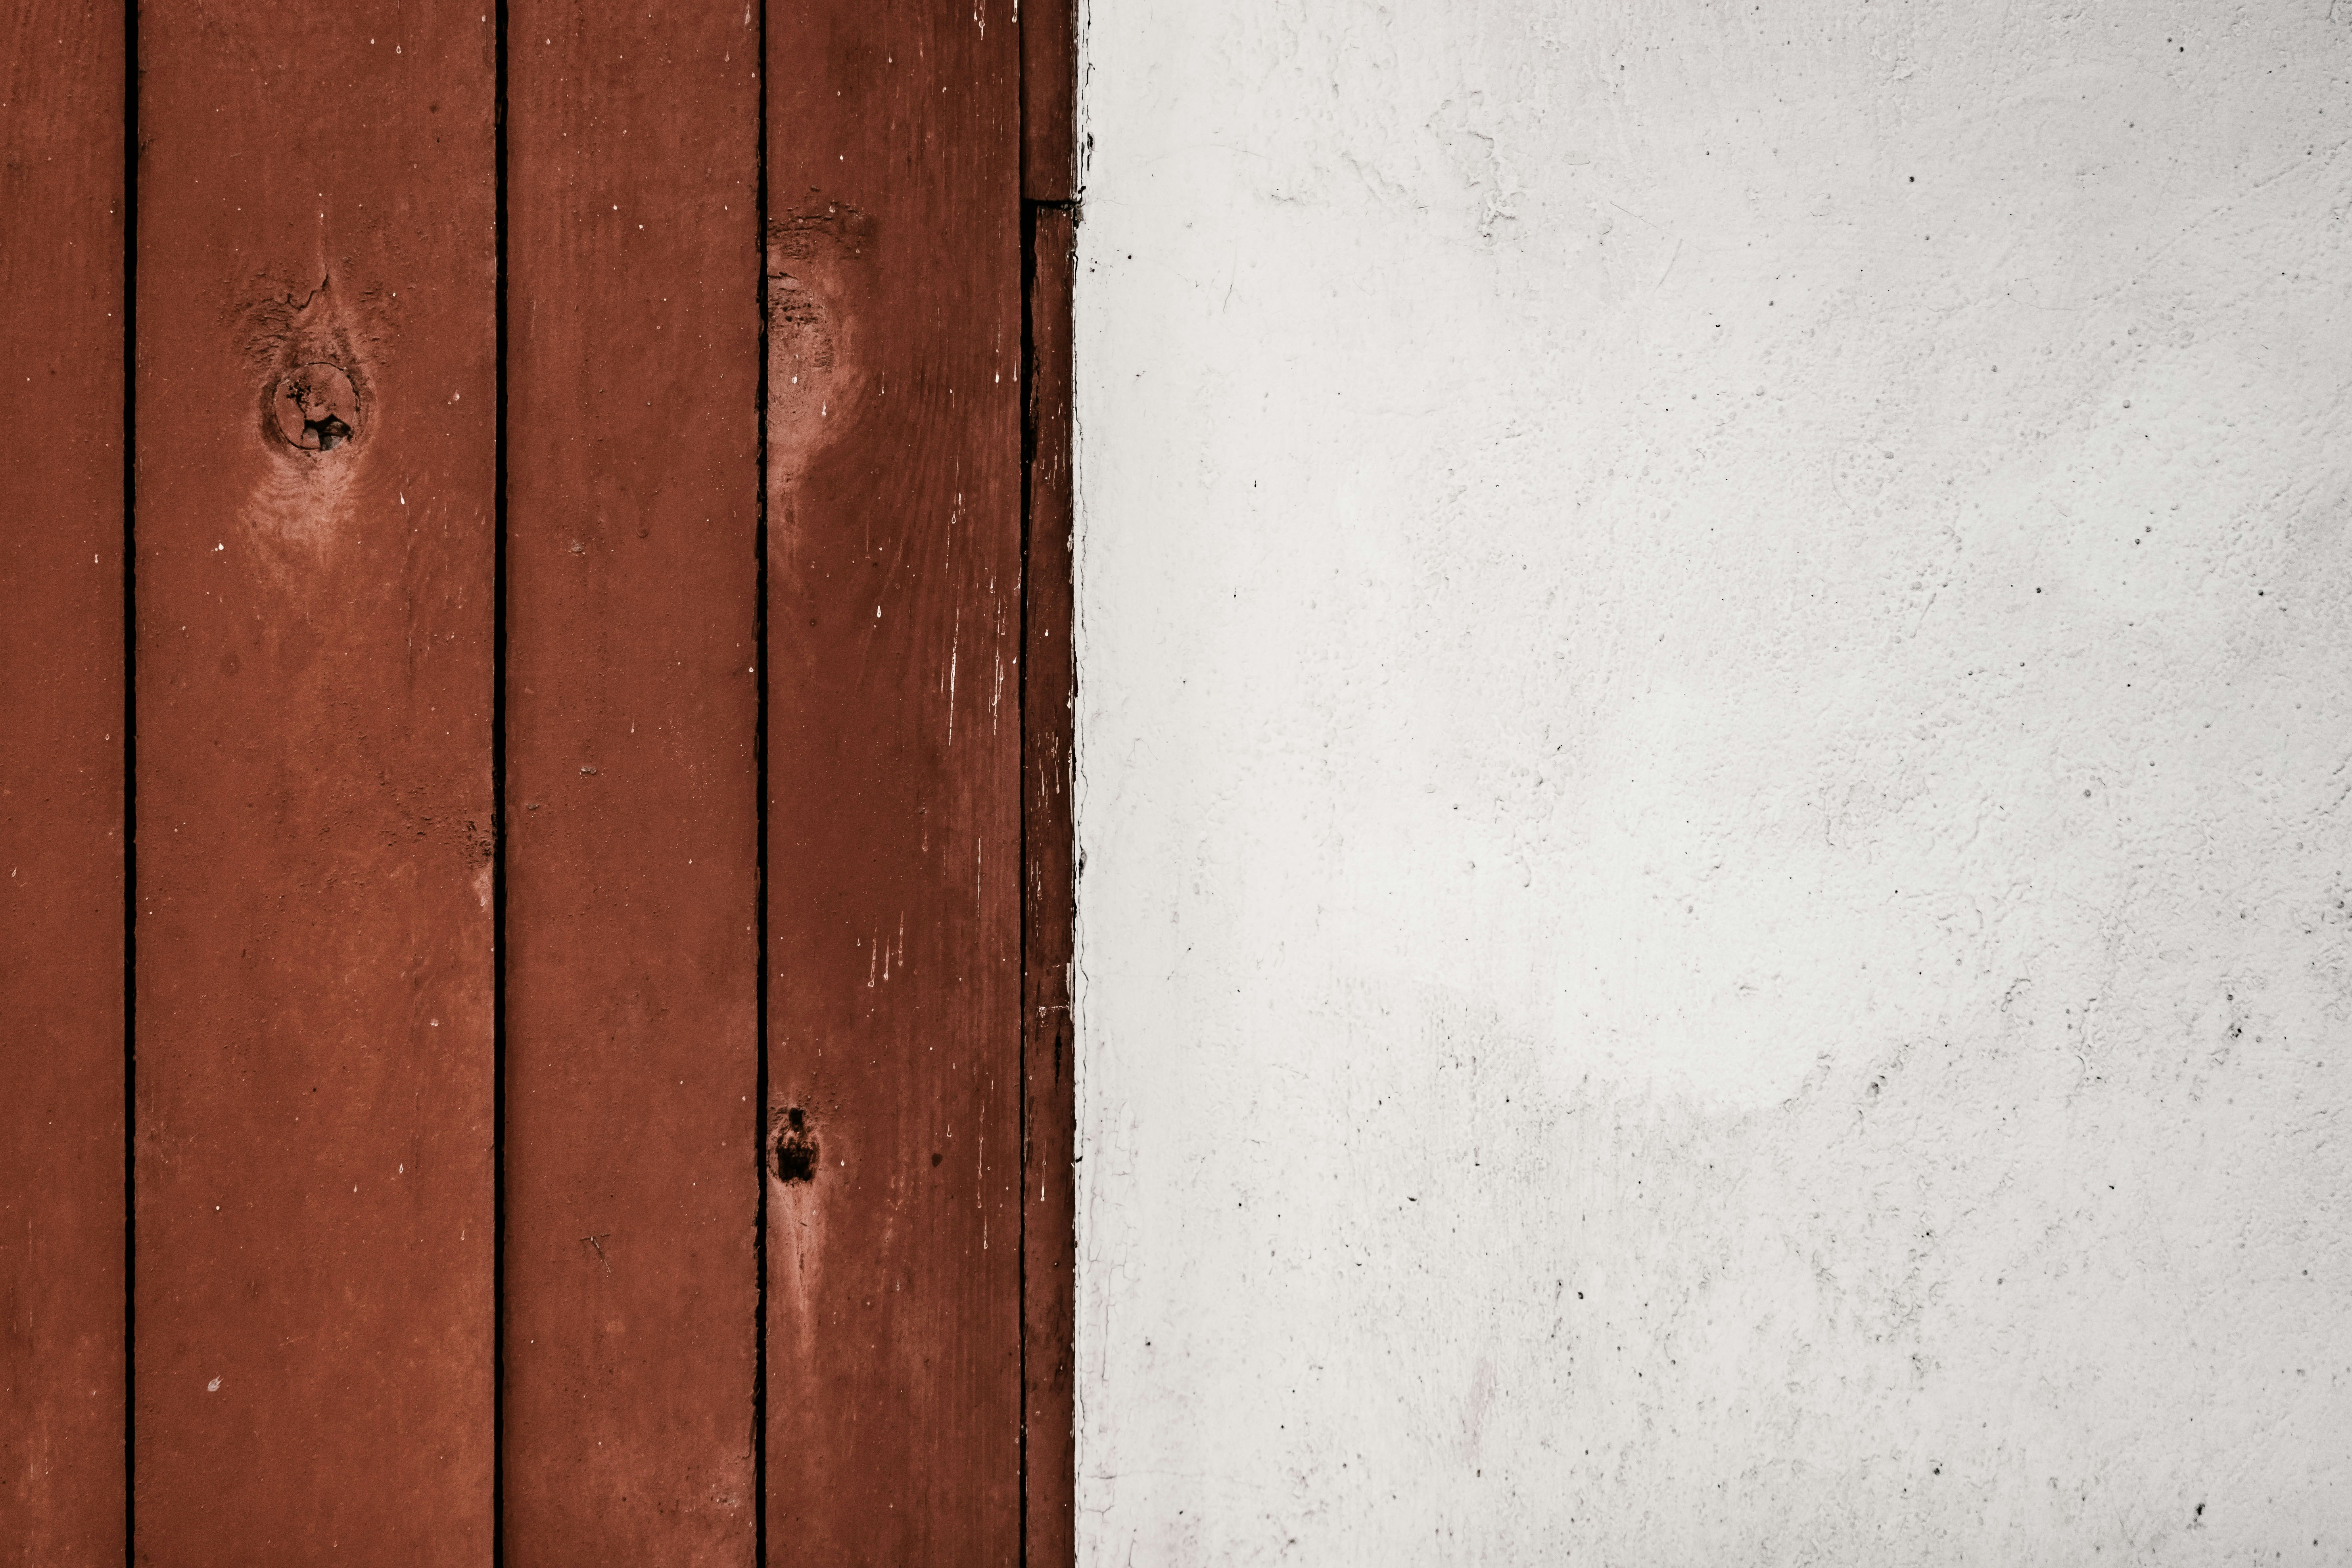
pixel 893 1296
pixel 314 639
pixel 1049 1113
pixel 61 806
pixel 1049 100
pixel 633 1126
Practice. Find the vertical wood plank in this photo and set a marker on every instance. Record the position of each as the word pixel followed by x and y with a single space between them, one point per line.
pixel 1049 1130
pixel 317 383
pixel 61 806
pixel 1049 100
pixel 632 1139
pixel 894 1397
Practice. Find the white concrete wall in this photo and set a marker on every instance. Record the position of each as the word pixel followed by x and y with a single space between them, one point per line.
pixel 1716 717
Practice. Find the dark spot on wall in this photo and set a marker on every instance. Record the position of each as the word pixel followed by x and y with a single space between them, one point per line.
pixel 791 1148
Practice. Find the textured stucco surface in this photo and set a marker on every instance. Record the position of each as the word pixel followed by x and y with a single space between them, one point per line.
pixel 1717 714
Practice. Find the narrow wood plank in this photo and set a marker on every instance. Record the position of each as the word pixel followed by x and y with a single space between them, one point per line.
pixel 317 382
pixel 62 746
pixel 1049 1130
pixel 1049 100
pixel 631 1140
pixel 894 1393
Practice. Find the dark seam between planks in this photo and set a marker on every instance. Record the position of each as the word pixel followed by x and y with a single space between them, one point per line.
pixel 130 775
pixel 498 831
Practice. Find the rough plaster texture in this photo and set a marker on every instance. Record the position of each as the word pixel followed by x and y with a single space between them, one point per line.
pixel 1715 656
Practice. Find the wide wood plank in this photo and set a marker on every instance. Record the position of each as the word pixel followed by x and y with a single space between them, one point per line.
pixel 61 805
pixel 894 1392
pixel 316 384
pixel 633 1122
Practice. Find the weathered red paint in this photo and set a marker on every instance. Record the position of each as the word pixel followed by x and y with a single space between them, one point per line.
pixel 1049 681
pixel 314 1180
pixel 1049 100
pixel 61 806
pixel 314 630
pixel 632 951
pixel 894 1387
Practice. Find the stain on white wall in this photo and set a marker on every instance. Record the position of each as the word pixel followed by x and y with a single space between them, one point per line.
pixel 1716 722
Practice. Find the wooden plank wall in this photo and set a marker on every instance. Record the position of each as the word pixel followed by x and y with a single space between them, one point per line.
pixel 61 801
pixel 485 1191
pixel 632 809
pixel 317 213
pixel 894 447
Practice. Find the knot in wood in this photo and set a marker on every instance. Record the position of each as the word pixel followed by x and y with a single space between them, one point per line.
pixel 317 407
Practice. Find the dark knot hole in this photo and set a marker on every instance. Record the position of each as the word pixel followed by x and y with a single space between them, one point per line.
pixel 792 1150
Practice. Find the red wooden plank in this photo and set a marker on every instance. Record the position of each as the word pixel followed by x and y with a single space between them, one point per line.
pixel 631 789
pixel 1049 1132
pixel 1049 100
pixel 61 668
pixel 894 857
pixel 314 625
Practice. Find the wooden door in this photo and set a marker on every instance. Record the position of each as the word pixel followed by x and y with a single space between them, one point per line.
pixel 537 648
